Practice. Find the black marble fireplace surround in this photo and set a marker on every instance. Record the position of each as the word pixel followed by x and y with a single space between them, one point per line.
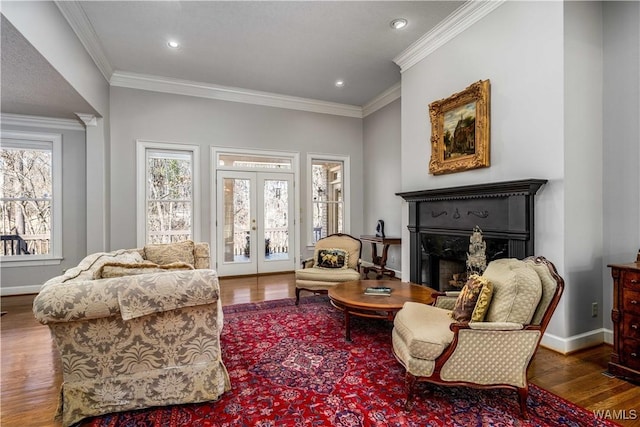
pixel 442 220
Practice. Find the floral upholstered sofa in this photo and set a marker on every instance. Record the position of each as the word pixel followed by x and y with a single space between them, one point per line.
pixel 136 328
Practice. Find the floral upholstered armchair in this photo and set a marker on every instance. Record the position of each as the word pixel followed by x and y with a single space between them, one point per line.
pixel 486 336
pixel 336 259
pixel 135 329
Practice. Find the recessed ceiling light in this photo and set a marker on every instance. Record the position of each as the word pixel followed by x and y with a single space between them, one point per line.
pixel 339 83
pixel 399 23
pixel 173 44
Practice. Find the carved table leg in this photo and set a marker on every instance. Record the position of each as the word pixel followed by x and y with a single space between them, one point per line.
pixel 347 324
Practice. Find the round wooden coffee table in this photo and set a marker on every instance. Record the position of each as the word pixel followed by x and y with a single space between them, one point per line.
pixel 351 299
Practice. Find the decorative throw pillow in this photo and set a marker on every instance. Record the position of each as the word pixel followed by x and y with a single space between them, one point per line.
pixel 482 305
pixel 331 258
pixel 466 302
pixel 170 252
pixel 115 269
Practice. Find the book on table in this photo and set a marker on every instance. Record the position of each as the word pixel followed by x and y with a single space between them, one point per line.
pixel 377 290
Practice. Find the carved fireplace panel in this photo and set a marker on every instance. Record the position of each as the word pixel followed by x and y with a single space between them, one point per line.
pixel 441 222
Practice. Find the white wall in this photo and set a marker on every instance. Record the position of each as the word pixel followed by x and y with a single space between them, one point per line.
pixel 381 145
pixel 621 131
pixel 583 168
pixel 565 107
pixel 519 48
pixel 138 114
pixel 24 280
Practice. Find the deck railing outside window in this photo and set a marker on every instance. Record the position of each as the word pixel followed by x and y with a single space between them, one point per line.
pixel 14 244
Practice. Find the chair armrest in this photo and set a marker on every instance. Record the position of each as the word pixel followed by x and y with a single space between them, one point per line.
pixel 446 300
pixel 496 326
pixel 129 296
pixel 307 263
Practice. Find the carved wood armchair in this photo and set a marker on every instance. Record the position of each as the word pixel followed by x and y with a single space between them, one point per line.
pixel 492 353
pixel 336 259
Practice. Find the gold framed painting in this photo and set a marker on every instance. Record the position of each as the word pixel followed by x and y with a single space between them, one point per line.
pixel 460 130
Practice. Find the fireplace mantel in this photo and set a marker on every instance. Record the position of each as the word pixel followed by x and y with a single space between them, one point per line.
pixel 503 210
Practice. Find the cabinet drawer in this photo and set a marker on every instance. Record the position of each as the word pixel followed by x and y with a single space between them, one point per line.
pixel 631 302
pixel 630 353
pixel 631 326
pixel 631 280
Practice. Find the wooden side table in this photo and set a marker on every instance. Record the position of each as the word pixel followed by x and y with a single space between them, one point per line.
pixel 380 262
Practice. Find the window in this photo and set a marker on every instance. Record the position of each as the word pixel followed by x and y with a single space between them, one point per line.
pixel 329 188
pixel 30 198
pixel 167 192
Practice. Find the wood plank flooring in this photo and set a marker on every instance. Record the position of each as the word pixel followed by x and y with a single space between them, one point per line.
pixel 30 375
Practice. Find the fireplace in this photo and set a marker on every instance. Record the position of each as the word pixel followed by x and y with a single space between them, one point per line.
pixel 441 222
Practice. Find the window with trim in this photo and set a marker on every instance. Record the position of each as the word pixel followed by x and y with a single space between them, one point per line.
pixel 30 197
pixel 329 190
pixel 167 192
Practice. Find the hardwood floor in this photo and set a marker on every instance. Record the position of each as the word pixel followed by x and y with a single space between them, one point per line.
pixel 30 374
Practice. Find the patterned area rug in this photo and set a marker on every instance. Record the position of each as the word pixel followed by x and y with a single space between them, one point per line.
pixel 291 366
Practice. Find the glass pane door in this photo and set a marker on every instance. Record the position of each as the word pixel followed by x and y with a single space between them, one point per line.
pixel 254 230
pixel 276 227
pixel 237 223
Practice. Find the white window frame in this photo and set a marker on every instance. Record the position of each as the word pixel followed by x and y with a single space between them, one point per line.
pixel 141 184
pixel 346 191
pixel 52 142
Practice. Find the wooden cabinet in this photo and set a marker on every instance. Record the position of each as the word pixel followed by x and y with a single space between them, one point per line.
pixel 625 359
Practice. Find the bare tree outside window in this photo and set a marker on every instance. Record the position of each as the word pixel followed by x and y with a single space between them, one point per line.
pixel 25 201
pixel 169 196
pixel 326 178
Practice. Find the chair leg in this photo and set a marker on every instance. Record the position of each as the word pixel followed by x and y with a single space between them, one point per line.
pixel 297 296
pixel 411 389
pixel 523 393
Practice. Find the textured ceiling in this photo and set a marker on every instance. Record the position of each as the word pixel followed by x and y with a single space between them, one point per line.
pixel 293 48
pixel 30 85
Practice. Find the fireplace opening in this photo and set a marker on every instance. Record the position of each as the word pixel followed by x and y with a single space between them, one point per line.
pixel 444 258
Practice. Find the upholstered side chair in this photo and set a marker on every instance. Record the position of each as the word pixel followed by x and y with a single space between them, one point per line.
pixel 494 352
pixel 336 259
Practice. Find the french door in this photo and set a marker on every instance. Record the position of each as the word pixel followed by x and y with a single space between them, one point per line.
pixel 255 227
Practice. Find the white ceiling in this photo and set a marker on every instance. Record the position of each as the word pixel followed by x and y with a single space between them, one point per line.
pixel 291 48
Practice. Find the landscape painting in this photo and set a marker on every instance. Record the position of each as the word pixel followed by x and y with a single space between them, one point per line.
pixel 460 131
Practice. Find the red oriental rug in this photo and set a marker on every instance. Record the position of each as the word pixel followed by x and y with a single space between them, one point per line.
pixel 291 366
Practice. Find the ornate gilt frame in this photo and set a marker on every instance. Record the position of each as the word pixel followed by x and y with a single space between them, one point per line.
pixel 475 148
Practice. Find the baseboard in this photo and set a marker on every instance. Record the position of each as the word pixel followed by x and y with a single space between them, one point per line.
pixel 577 342
pixel 19 290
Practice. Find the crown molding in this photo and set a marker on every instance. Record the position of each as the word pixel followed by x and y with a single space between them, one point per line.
pixel 40 122
pixel 382 100
pixel 88 119
pixel 461 19
pixel 79 22
pixel 233 94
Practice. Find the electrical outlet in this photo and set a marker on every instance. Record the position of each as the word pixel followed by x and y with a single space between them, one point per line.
pixel 594 309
